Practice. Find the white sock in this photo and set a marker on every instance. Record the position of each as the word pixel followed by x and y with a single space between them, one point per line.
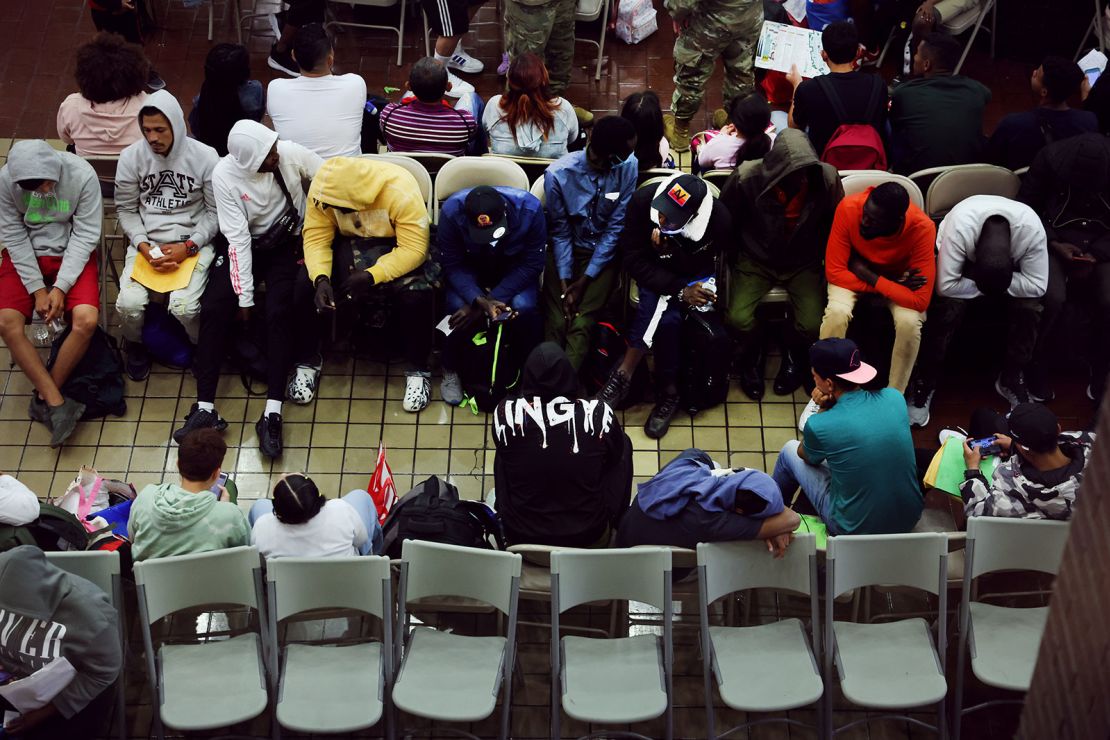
pixel 205 406
pixel 272 407
pixel 443 58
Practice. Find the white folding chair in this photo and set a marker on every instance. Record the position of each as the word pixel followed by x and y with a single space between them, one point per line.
pixel 767 667
pixel 208 684
pixel 399 29
pixel 972 20
pixel 336 689
pixel 1002 642
pixel 856 181
pixel 533 166
pixel 589 11
pixel 1095 28
pixel 445 676
pixel 419 171
pixel 716 177
pixel 105 168
pixel 617 680
pixel 894 665
pixel 468 172
pixel 101 568
pixel 538 191
pixel 953 184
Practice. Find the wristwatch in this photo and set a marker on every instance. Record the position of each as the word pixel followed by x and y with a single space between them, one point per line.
pixel 191 248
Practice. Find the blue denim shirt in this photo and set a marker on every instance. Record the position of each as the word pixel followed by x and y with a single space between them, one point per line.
pixel 585 210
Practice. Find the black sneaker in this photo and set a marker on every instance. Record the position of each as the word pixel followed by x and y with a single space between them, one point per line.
pixel 283 61
pixel 1039 387
pixel 659 421
pixel 199 418
pixel 154 81
pixel 269 435
pixel 138 361
pixel 615 388
pixel 1011 386
pixel 919 401
pixel 38 410
pixel 63 420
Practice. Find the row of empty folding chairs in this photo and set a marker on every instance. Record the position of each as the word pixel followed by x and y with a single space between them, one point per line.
pixel 440 675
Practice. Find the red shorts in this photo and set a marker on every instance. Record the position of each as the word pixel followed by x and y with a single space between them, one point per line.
pixel 13 294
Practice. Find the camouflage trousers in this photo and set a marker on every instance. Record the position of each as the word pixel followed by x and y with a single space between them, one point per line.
pixel 547 30
pixel 732 36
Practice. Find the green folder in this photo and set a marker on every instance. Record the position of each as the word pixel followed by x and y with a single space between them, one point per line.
pixel 811 523
pixel 950 474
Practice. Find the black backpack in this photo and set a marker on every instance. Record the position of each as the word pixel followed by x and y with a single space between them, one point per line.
pixel 607 348
pixel 97 381
pixel 434 512
pixel 706 354
pixel 55 530
pixel 488 365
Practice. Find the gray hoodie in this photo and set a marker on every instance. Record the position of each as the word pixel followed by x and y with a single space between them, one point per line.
pixel 165 199
pixel 168 520
pixel 65 223
pixel 46 614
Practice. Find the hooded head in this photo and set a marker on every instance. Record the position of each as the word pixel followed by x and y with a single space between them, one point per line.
pixel 33 162
pixel 163 124
pixel 249 144
pixel 790 156
pixel 25 565
pixel 549 374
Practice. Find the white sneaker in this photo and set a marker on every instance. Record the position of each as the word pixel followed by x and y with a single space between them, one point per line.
pixel 810 409
pixel 463 62
pixel 418 389
pixel 302 386
pixel 450 388
pixel 459 86
pixel 947 433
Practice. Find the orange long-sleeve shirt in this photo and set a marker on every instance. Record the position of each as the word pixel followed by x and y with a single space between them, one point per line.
pixel 913 246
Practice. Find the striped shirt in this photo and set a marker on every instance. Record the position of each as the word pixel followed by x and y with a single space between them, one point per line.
pixel 413 126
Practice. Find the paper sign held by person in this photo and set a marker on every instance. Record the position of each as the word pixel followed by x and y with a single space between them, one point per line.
pixel 782 46
pixel 40 688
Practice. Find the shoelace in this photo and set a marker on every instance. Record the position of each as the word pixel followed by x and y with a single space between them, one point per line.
pixel 273 429
pixel 614 386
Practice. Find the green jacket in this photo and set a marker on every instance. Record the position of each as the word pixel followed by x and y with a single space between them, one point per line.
pixel 168 520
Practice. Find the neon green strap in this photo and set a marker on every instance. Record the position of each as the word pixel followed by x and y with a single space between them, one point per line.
pixel 469 402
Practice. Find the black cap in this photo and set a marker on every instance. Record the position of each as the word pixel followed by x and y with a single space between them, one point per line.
pixel 840 358
pixel 680 200
pixel 1033 426
pixel 485 214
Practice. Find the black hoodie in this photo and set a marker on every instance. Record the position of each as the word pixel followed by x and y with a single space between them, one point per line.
pixel 563 469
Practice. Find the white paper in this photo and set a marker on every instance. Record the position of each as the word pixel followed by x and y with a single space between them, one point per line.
pixel 796 9
pixel 1093 59
pixel 38 689
pixel 445 326
pixel 782 46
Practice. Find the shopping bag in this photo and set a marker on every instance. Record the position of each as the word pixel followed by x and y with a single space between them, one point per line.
pixel 381 488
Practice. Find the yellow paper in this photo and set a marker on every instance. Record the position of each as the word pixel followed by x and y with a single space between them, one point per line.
pixel 163 282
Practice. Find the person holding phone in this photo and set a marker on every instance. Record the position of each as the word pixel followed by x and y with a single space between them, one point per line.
pixel 492 244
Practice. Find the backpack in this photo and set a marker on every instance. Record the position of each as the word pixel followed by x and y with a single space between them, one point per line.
pixel 607 348
pixel 434 512
pixel 487 365
pixel 371 129
pixel 854 146
pixel 55 530
pixel 97 381
pixel 706 355
pixel 165 338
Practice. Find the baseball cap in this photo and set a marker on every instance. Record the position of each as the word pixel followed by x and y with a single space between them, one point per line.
pixel 680 199
pixel 486 219
pixel 840 358
pixel 1032 425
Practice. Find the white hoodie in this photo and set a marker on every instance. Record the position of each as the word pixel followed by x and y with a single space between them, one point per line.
pixel 166 199
pixel 249 201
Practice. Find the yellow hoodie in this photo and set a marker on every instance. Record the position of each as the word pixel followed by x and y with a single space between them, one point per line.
pixel 386 202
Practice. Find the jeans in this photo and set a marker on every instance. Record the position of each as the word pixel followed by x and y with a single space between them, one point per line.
pixel 574 335
pixel 359 500
pixel 183 304
pixel 667 341
pixel 527 325
pixel 791 471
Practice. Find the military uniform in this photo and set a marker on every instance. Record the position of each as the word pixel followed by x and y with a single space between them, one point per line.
pixel 728 29
pixel 544 28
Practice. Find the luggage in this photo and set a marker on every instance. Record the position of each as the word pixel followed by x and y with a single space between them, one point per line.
pixel 434 512
pixel 97 381
pixel 706 355
pixel 854 146
pixel 489 366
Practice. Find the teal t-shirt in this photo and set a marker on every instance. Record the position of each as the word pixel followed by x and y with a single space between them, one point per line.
pixel 865 440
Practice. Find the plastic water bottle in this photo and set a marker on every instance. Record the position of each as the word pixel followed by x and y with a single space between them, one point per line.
pixel 711 286
pixel 43 333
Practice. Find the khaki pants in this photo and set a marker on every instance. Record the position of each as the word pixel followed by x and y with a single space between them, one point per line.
pixel 907 331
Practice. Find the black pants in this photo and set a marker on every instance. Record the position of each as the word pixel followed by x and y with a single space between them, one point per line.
pixel 289 318
pixel 1096 288
pixel 945 317
pixel 413 314
pixel 303 12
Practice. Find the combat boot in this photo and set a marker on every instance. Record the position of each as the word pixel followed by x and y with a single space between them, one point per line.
pixel 677 131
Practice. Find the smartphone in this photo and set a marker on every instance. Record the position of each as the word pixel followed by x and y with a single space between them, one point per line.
pixel 503 316
pixel 220 482
pixel 986 446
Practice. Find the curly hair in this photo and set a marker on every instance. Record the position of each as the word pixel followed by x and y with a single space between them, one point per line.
pixel 109 68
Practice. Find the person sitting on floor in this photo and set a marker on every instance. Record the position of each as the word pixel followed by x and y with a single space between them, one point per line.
pixel 376 210
pixel 785 203
pixel 992 247
pixel 18 504
pixel 1041 470
pixel 492 244
pixel 529 120
pixel 50 221
pixel 856 462
pixel 881 243
pixel 300 522
pixel 643 111
pixel 228 94
pixel 168 214
pixel 563 466
pixel 691 500
pixel 673 235
pixel 424 122
pixel 195 515
pixel 743 139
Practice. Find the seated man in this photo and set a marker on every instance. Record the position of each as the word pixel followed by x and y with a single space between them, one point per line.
pixel 993 247
pixel 689 501
pixel 51 614
pixel 1041 469
pixel 937 118
pixel 194 515
pixel 855 462
pixel 492 243
pixel 1068 186
pixel 859 97
pixel 376 209
pixel 563 467
pixel 1020 136
pixel 18 504
pixel 673 235
pixel 50 219
pixel 319 110
pixel 785 203
pixel 168 214
pixel 881 243
pixel 424 122
pixel 586 193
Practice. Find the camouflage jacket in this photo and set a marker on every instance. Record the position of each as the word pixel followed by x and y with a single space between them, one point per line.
pixel 1017 490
